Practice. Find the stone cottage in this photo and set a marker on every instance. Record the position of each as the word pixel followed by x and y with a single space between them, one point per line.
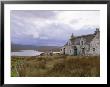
pixel 83 45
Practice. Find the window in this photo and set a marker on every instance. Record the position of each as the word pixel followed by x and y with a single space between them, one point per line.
pixel 69 43
pixel 93 49
pixel 81 42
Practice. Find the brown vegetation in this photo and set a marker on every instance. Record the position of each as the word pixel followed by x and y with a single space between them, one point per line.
pixel 56 66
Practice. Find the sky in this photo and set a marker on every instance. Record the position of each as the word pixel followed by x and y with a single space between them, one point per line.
pixel 51 28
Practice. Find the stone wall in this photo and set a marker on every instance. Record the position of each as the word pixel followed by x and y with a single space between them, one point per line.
pixel 95 46
pixel 92 48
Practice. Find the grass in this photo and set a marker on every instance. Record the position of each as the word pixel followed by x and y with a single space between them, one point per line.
pixel 55 66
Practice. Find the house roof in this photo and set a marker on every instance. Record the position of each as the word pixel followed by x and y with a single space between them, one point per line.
pixel 87 38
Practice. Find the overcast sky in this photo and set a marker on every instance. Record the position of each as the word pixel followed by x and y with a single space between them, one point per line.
pixel 51 27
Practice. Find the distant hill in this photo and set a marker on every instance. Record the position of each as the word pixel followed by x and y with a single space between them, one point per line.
pixel 18 47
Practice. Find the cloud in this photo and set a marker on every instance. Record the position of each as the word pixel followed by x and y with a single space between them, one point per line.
pixel 78 19
pixel 51 27
pixel 33 13
pixel 44 38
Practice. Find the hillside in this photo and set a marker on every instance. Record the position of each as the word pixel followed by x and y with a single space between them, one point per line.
pixel 18 47
pixel 56 66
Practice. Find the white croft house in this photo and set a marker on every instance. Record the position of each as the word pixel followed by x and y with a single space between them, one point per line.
pixel 83 45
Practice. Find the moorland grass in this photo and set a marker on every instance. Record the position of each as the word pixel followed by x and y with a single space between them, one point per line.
pixel 55 66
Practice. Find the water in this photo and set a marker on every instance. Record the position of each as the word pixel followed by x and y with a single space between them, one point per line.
pixel 26 53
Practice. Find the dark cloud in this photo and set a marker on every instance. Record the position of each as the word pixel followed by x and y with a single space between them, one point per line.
pixel 42 28
pixel 33 13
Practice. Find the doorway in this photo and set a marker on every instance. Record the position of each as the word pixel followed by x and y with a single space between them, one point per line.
pixel 83 51
pixel 75 51
pixel 63 50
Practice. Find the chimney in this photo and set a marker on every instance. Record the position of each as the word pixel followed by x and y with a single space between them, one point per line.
pixel 97 31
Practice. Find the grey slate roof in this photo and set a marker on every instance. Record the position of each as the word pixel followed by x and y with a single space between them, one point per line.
pixel 87 38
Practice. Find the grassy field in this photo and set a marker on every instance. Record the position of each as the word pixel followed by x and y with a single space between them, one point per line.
pixel 55 66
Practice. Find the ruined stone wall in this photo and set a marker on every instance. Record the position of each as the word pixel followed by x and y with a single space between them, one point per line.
pixel 92 48
pixel 95 46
